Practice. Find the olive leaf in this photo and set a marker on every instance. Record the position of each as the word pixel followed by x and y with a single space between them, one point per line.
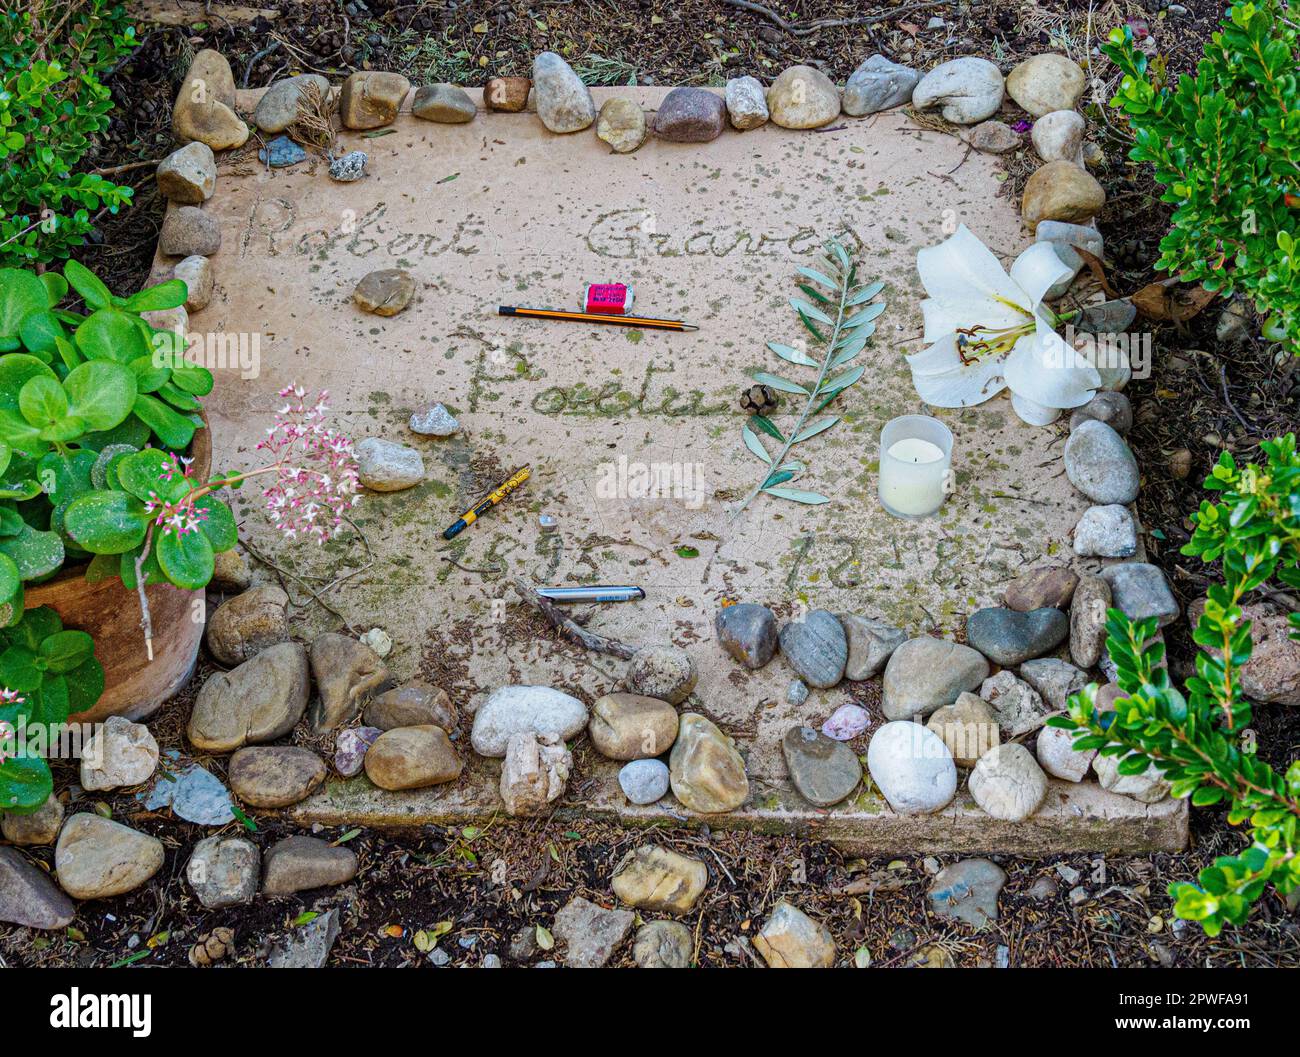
pixel 841 318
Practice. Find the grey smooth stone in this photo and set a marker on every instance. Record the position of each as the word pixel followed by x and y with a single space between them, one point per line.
pixel 1100 464
pixel 1007 637
pixel 878 84
pixel 1054 679
pixel 816 648
pixel 871 643
pixel 28 897
pixel 967 891
pixel 824 771
pixel 1140 590
pixel 644 781
pixel 926 673
pixel 748 632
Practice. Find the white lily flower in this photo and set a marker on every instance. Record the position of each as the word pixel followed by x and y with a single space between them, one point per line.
pixel 989 330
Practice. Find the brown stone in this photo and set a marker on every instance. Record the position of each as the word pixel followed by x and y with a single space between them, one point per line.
pixel 371 98
pixel 261 700
pixel 36 827
pixel 385 292
pixel 188 176
pixel 275 775
pixel 706 771
pixel 412 757
pixel 1088 620
pixel 187 231
pixel 691 115
pixel 659 880
pixel 205 105
pixel 621 123
pixel 1060 190
pixel 968 727
pixel 632 727
pixel 346 671
pixel 507 93
pixel 1272 675
pixel 97 858
pixel 790 939
pixel 413 704
pixel 1051 586
pixel 245 625
pixel 300 862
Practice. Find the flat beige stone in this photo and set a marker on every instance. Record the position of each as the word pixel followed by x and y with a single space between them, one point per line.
pixel 500 211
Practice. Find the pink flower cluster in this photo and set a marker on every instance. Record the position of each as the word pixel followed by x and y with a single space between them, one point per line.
pixel 8 747
pixel 315 469
pixel 183 516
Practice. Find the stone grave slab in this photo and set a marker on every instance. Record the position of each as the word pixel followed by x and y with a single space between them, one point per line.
pixel 500 211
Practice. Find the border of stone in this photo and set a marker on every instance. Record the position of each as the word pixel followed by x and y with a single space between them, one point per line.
pixel 1074 818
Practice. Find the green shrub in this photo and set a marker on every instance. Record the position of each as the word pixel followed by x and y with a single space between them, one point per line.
pixel 1196 739
pixel 1224 144
pixel 52 107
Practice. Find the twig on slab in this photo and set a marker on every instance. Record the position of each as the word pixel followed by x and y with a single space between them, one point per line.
pixel 573 632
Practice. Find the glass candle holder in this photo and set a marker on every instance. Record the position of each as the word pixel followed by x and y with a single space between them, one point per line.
pixel 915 465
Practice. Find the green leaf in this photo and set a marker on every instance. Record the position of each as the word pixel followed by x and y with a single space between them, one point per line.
pixel 112 335
pixel 218 524
pixel 66 650
pixel 106 522
pixel 11 590
pixel 815 428
pixel 836 385
pixel 767 426
pixel 194 380
pixel 21 293
pixel 819 277
pixel 793 355
pixel 798 495
pixel 145 474
pixel 101 393
pixel 16 370
pixel 165 295
pixel 25 784
pixel 754 444
pixel 173 429
pixel 36 553
pixel 84 281
pixel 186 560
pixel 42 401
pixel 784 385
pixel 811 311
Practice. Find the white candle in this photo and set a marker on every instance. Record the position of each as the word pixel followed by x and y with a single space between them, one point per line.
pixel 915 458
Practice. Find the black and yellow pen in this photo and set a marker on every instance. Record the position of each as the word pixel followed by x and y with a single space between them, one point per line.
pixel 490 500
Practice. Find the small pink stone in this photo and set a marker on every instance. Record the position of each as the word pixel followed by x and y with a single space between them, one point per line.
pixel 847 722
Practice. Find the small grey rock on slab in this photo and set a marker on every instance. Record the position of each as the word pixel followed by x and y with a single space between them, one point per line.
pixel 871 643
pixel 748 632
pixel 563 102
pixel 445 103
pixel 823 770
pixel 644 781
pixel 746 103
pixel 1054 679
pixel 878 84
pixel 1140 590
pixel 349 167
pixel 385 466
pixel 967 891
pixel 816 648
pixel 1115 409
pixel 926 673
pixel 1007 637
pixel 434 421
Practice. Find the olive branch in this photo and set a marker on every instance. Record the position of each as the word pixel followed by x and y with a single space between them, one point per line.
pixel 835 301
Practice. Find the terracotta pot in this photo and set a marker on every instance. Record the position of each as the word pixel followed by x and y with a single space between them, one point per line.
pixel 134 686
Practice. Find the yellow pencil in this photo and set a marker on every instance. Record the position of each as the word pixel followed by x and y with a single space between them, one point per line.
pixel 640 322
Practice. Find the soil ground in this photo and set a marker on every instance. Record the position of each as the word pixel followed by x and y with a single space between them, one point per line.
pixel 1218 398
